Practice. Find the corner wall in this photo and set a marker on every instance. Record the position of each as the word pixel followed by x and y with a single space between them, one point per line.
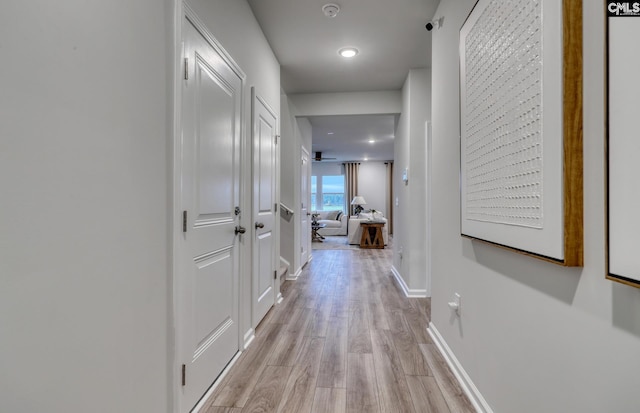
pixel 372 185
pixel 84 230
pixel 86 141
pixel 410 220
pixel 295 133
pixel 533 336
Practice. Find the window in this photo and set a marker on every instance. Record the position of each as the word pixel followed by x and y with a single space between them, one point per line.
pixel 314 191
pixel 332 193
pixel 327 192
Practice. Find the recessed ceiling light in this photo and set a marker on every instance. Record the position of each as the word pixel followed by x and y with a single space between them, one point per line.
pixel 372 141
pixel 348 52
pixel 366 159
pixel 329 133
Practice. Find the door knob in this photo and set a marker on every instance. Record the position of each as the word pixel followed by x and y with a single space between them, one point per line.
pixel 308 214
pixel 259 225
pixel 240 230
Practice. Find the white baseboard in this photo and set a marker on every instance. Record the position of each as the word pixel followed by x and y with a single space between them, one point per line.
pixel 294 276
pixel 284 263
pixel 213 387
pixel 461 375
pixel 415 293
pixel 248 337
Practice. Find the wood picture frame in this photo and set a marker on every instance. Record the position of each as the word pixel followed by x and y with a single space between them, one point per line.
pixel 622 143
pixel 521 182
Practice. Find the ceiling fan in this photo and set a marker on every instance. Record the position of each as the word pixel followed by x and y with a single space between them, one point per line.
pixel 319 157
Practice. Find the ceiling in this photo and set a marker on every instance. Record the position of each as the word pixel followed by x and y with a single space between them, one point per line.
pixel 391 38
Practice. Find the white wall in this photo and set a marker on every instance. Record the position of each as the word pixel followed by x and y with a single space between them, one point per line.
pixel 295 133
pixel 327 168
pixel 288 172
pixel 84 178
pixel 86 142
pixel 373 186
pixel 410 221
pixel 348 103
pixel 533 336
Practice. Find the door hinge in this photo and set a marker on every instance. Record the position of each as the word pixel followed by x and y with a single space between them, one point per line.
pixel 277 136
pixel 275 274
pixel 186 68
pixel 184 221
pixel 275 207
pixel 184 375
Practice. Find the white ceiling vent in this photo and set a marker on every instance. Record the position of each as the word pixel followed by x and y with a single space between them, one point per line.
pixel 330 9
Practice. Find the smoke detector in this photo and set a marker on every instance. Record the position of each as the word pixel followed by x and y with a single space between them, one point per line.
pixel 330 10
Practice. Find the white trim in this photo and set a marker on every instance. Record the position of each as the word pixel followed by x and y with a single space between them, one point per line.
pixel 284 262
pixel 461 375
pixel 294 276
pixel 201 27
pixel 248 338
pixel 175 165
pixel 213 387
pixel 279 298
pixel 411 293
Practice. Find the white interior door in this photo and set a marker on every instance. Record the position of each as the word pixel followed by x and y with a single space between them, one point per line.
pixel 264 207
pixel 305 214
pixel 208 272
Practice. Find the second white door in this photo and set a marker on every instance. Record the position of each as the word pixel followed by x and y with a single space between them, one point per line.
pixel 264 289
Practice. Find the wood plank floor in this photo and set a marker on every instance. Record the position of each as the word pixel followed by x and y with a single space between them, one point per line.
pixel 345 339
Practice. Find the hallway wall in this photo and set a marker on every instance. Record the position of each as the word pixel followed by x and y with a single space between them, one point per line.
pixel 84 236
pixel 296 133
pixel 534 337
pixel 86 144
pixel 410 220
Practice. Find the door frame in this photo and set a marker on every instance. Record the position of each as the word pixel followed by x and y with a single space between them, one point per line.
pixel 182 11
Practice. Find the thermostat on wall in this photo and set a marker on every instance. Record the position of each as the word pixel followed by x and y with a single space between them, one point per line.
pixel 405 175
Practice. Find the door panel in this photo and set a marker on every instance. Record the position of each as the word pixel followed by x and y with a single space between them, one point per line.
pixel 214 122
pixel 207 283
pixel 264 203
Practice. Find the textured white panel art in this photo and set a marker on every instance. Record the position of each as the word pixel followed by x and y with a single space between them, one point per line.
pixel 503 115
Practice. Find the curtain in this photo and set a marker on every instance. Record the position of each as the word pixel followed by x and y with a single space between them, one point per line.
pixel 351 179
pixel 389 197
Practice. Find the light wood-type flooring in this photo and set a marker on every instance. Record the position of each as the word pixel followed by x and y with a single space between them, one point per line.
pixel 344 339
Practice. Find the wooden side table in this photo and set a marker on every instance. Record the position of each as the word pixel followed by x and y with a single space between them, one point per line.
pixel 372 235
pixel 314 231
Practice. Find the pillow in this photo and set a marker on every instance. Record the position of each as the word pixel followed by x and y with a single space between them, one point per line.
pixel 366 215
pixel 339 216
pixel 332 215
